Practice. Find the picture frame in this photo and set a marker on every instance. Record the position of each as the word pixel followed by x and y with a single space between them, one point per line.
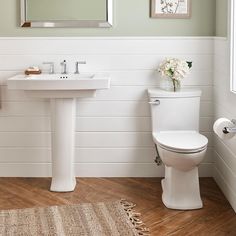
pixel 171 9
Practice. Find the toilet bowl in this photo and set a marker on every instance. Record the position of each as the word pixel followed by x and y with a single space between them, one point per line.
pixel 181 153
pixel 183 150
pixel 180 145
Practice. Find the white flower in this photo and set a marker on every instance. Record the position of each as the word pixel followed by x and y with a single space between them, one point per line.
pixel 175 68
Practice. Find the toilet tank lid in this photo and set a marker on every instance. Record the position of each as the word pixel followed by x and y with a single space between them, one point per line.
pixel 184 92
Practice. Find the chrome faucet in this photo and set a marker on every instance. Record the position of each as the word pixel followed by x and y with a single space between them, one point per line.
pixel 77 66
pixel 51 70
pixel 64 67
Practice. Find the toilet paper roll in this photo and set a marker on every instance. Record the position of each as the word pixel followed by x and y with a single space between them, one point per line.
pixel 219 125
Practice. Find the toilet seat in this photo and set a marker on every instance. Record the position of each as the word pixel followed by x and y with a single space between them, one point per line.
pixel 181 141
pixel 183 152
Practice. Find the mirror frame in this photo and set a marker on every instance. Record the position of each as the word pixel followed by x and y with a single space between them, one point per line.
pixel 107 23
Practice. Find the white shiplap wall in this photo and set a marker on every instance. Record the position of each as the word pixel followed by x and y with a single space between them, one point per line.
pixel 224 106
pixel 113 131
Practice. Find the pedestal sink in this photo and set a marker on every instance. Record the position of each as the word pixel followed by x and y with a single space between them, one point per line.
pixel 62 90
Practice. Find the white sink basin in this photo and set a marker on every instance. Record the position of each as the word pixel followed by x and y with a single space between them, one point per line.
pixel 59 85
pixel 62 91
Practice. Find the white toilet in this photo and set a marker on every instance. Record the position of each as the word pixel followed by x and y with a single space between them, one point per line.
pixel 175 131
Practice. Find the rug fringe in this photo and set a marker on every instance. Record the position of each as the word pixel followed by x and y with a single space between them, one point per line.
pixel 134 218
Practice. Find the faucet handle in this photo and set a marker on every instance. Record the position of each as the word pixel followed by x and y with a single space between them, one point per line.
pixel 81 62
pixel 77 63
pixel 51 71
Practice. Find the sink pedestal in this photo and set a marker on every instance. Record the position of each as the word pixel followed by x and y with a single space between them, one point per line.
pixel 62 91
pixel 63 111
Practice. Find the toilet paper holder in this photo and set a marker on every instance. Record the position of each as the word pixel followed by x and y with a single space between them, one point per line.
pixel 227 130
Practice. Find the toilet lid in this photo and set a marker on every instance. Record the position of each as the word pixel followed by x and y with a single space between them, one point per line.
pixel 181 140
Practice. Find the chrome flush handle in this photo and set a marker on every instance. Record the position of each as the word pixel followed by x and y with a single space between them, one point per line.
pixel 155 102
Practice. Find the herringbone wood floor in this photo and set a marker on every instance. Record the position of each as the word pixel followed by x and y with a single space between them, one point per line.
pixel 216 218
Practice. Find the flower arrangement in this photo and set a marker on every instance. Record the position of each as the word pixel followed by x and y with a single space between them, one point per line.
pixel 175 69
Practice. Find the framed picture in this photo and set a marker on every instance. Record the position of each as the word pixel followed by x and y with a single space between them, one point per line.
pixel 170 8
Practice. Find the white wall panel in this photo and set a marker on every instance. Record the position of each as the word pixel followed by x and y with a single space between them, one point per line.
pixel 224 106
pixel 113 135
pixel 86 155
pixel 227 173
pixel 120 93
pixel 94 170
pixel 147 77
pixel 105 62
pixel 106 45
pixel 87 124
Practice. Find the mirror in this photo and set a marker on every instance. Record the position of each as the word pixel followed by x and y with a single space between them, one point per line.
pixel 66 13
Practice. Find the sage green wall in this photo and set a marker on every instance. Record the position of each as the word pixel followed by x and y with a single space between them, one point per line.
pixel 221 17
pixel 131 18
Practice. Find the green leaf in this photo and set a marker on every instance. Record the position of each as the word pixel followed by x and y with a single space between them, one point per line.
pixel 170 72
pixel 190 64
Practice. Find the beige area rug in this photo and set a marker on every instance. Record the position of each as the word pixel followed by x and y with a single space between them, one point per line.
pixel 99 219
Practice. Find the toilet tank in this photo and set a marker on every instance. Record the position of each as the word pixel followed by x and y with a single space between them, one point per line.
pixel 174 110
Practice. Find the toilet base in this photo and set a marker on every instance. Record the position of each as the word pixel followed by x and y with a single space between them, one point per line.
pixel 181 189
